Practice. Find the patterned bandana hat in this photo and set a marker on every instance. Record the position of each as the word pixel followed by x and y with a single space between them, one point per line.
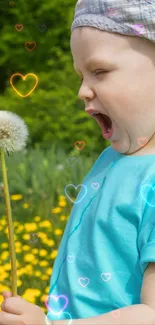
pixel 127 17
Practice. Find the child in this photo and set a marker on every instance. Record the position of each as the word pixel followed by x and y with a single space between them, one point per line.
pixel 105 269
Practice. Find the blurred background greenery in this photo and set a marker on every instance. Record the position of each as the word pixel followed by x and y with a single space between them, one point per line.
pixel 56 120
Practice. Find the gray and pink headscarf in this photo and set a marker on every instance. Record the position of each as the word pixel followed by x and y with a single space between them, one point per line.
pixel 126 17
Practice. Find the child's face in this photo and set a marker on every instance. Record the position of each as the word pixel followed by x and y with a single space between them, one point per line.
pixel 126 92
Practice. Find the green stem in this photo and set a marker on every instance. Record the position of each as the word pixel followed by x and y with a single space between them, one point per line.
pixel 10 226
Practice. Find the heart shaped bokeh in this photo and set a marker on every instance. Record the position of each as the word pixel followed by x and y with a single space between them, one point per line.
pixel 42 28
pixel 83 282
pixel 69 319
pixel 83 192
pixel 142 141
pixel 106 276
pixel 79 145
pixel 23 78
pixel 72 161
pixel 95 186
pixel 147 192
pixel 63 317
pixel 55 302
pixel 70 258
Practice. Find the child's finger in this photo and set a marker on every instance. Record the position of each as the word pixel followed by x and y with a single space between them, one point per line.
pixel 6 294
pixel 14 305
pixel 9 319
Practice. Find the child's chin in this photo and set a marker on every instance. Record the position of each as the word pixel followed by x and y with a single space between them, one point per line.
pixel 120 147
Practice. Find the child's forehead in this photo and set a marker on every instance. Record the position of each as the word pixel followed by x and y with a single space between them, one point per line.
pixel 92 40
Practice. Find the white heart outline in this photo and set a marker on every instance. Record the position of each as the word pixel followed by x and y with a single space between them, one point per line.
pixel 75 187
pixel 81 278
pixel 105 273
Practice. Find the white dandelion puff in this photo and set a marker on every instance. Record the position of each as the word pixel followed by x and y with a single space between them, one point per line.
pixel 13 132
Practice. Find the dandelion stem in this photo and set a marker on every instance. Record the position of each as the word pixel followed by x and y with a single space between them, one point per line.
pixel 10 226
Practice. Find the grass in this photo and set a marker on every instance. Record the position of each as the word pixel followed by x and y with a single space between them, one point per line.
pixel 40 209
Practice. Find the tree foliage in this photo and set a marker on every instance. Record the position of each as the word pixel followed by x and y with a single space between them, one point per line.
pixel 53 112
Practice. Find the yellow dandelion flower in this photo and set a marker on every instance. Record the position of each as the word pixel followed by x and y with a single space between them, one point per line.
pixel 35 261
pixel 25 248
pixel 26 205
pixel 62 204
pixel 18 244
pixel 4 245
pixel 16 197
pixel 35 250
pixel 18 250
pixel 5 231
pixel 3 288
pixel 42 235
pixel 31 294
pixel 19 282
pixel 62 218
pixel 26 236
pixel 58 232
pixel 37 218
pixel 17 263
pixel 21 271
pixel 45 240
pixel 4 255
pixel 43 263
pixel 7 267
pixel 3 221
pixel 54 253
pixel 4 276
pixel 56 210
pixel 61 197
pixel 1 300
pixel 43 298
pixel 15 223
pixel 28 257
pixel 50 242
pixel 38 273
pixel 42 252
pixel 45 223
pixel 29 267
pixel 49 271
pixel 47 289
pixel 20 229
pixel 30 226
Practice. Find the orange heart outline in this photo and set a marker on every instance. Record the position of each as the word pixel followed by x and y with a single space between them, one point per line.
pixel 17 28
pixel 79 143
pixel 30 43
pixel 19 74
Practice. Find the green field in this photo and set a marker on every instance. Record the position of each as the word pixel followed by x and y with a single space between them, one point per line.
pixel 40 209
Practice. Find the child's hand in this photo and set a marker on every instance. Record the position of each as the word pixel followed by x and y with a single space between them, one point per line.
pixel 17 311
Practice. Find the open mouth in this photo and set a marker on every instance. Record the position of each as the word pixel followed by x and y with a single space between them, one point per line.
pixel 106 124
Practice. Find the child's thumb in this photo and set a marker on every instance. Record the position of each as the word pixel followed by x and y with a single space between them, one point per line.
pixel 7 294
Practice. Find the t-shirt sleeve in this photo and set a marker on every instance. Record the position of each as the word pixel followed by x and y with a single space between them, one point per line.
pixel 146 236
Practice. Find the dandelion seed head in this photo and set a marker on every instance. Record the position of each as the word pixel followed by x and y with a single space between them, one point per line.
pixel 13 132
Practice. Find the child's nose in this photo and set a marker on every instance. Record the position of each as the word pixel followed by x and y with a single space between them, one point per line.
pixel 85 92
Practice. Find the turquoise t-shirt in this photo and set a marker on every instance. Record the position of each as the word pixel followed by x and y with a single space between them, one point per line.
pixel 108 241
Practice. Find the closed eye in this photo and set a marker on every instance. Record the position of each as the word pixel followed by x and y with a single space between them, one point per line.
pixel 96 72
pixel 99 71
